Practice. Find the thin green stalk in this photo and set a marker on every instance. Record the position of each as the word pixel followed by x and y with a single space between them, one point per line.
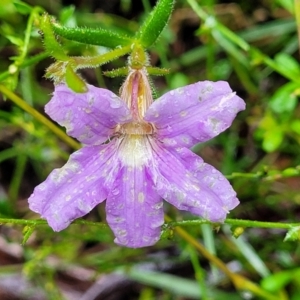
pixel 9 153
pixel 81 62
pixel 209 243
pixel 33 15
pixel 240 282
pixel 147 6
pixel 237 222
pixel 199 273
pixel 38 222
pixel 210 58
pixel 233 222
pixel 244 76
pixel 269 175
pixel 29 109
pixel 28 62
pixel 255 175
pixel 297 15
pixel 17 179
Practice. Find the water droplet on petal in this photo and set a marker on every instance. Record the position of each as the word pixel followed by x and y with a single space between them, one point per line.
pixel 169 128
pixel 115 192
pixel 115 102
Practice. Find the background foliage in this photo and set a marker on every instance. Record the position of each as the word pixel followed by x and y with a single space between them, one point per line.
pixel 254 45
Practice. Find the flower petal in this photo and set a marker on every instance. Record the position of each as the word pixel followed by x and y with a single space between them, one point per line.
pixel 90 117
pixel 210 177
pixel 134 210
pixel 185 181
pixel 73 190
pixel 194 113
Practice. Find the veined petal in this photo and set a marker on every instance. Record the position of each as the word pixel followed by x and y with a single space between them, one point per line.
pixel 134 210
pixel 210 177
pixel 185 181
pixel 73 190
pixel 90 117
pixel 194 113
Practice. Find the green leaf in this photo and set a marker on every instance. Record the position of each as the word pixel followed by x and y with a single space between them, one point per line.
pixel 295 126
pixel 116 72
pixel 271 132
pixel 249 253
pixel 287 4
pixel 231 48
pixel 284 99
pixel 155 23
pixel 292 235
pixel 66 16
pixel 15 40
pixel 27 232
pixel 289 172
pixel 178 80
pixel 275 282
pixel 52 46
pixel 176 285
pixel 22 7
pixel 74 82
pixel 287 63
pixel 272 139
pixel 99 36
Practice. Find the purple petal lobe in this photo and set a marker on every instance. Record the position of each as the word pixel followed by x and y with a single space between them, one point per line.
pixel 134 210
pixel 90 117
pixel 73 190
pixel 194 113
pixel 185 181
pixel 210 177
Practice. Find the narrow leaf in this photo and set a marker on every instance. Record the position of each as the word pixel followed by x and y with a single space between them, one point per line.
pixel 155 23
pixel 292 235
pixel 275 282
pixel 22 7
pixel 74 82
pixel 99 36
pixel 52 46
pixel 27 232
pixel 285 98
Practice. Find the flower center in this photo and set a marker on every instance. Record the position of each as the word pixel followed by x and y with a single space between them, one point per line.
pixel 134 150
pixel 137 128
pixel 136 92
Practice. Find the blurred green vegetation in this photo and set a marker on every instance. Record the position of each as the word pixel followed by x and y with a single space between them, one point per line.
pixel 254 45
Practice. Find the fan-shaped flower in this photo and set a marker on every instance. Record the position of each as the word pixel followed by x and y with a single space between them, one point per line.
pixel 136 153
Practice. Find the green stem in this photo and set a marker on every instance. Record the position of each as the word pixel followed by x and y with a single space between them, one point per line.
pixel 29 109
pixel 80 62
pixel 33 16
pixel 267 175
pixel 199 272
pixel 9 153
pixel 237 222
pixel 38 222
pixel 28 62
pixel 147 6
pixel 233 222
pixel 239 281
pixel 297 15
pixel 17 179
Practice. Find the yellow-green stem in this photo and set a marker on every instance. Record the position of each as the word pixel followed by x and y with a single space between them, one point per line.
pixel 240 282
pixel 297 16
pixel 29 109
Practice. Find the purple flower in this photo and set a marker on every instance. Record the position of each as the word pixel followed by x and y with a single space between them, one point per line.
pixel 146 159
